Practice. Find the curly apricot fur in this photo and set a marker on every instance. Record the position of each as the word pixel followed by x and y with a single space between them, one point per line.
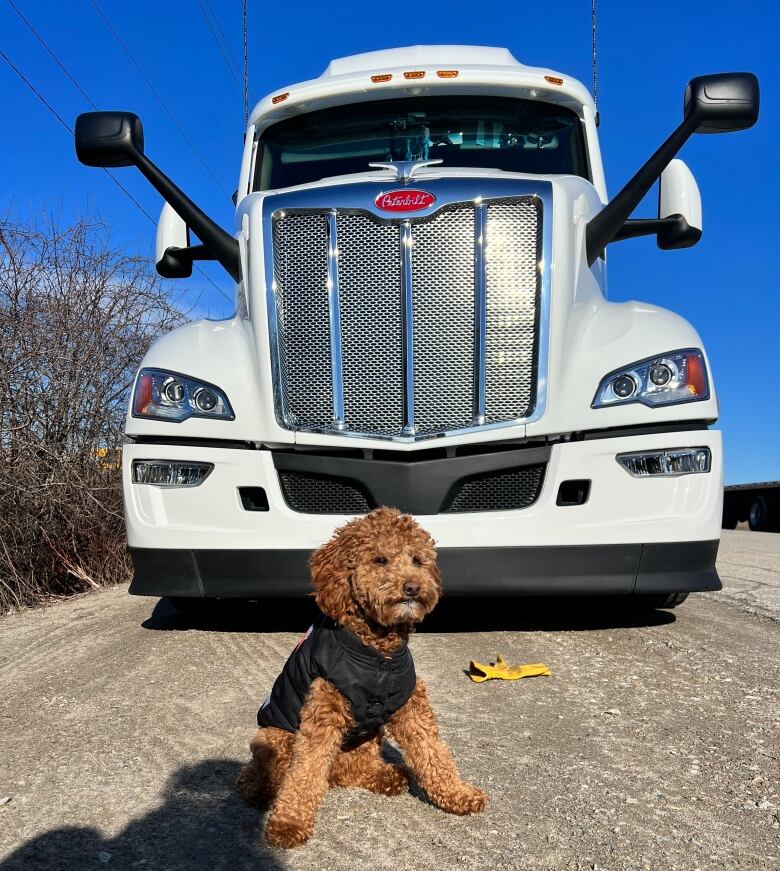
pixel 361 578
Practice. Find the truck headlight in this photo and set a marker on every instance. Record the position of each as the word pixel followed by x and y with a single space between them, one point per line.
pixel 162 395
pixel 679 376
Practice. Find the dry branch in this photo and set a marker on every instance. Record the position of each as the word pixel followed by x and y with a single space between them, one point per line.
pixel 76 315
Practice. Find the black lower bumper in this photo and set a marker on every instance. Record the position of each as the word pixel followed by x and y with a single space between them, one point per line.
pixel 609 569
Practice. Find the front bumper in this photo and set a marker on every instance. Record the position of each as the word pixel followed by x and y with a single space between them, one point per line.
pixel 610 569
pixel 631 536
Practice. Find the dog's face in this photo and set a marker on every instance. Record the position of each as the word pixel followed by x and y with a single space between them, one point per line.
pixel 382 566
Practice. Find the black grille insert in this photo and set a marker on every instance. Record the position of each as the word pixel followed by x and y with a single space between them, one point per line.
pixel 498 481
pixel 502 491
pixel 320 494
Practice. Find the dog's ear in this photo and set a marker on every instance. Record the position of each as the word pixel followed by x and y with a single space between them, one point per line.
pixel 436 574
pixel 330 576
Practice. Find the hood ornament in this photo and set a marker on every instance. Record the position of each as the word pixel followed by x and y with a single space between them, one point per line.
pixel 405 169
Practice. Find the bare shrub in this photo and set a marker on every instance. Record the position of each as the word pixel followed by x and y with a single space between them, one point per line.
pixel 77 314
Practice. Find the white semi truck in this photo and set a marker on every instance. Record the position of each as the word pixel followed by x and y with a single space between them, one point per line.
pixel 422 321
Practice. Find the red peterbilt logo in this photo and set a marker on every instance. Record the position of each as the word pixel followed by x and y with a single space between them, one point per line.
pixel 407 200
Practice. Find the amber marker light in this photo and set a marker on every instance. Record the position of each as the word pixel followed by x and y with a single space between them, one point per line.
pixel 696 380
pixel 143 393
pixel 415 74
pixel 280 98
pixel 385 77
pixel 447 74
pixel 553 80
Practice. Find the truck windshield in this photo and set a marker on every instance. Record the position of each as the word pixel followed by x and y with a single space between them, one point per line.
pixel 488 132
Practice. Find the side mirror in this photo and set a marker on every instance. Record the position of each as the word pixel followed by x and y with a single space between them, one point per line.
pixel 679 207
pixel 719 103
pixel 109 138
pixel 173 236
pixel 172 231
pixel 722 102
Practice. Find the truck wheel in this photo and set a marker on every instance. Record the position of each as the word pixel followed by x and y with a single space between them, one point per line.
pixel 758 516
pixel 664 600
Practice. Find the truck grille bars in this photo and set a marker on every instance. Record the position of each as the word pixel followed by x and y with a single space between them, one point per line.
pixel 407 328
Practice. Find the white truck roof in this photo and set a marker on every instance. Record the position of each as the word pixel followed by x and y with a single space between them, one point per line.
pixel 421 55
pixel 421 69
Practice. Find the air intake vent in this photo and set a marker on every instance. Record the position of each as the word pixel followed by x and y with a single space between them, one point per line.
pixel 314 494
pixel 505 491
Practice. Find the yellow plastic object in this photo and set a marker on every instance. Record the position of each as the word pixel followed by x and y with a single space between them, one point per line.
pixel 501 671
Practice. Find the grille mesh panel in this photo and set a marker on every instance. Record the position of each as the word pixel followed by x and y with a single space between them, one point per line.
pixel 512 256
pixel 371 326
pixel 311 494
pixel 301 272
pixel 443 279
pixel 443 288
pixel 515 488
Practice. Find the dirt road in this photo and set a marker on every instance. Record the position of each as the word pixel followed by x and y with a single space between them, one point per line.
pixel 655 744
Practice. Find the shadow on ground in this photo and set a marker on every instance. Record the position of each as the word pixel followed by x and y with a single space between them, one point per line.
pixel 451 615
pixel 201 824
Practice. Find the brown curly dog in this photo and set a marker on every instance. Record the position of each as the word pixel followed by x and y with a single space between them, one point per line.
pixel 350 679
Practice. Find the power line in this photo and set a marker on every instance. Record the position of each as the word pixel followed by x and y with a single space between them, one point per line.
pixel 157 95
pixel 595 81
pixel 228 55
pixel 37 93
pixel 54 56
pixel 113 178
pixel 219 46
pixel 246 74
pixel 224 38
pixel 67 126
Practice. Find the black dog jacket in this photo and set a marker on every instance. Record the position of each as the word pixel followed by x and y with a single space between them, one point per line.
pixel 375 685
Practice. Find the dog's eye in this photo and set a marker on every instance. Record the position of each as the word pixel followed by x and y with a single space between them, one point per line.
pixel 416 561
pixel 380 560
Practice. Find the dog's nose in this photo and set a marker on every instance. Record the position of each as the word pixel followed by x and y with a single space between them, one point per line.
pixel 411 590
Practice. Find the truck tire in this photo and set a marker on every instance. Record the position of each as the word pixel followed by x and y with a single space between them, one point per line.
pixel 759 516
pixel 664 600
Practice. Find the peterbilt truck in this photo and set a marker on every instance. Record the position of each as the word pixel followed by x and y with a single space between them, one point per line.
pixel 421 321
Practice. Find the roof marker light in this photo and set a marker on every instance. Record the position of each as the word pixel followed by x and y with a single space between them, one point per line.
pixel 280 98
pixel 553 80
pixel 385 77
pixel 415 74
pixel 447 74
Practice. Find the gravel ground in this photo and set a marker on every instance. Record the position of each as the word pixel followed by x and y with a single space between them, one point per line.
pixel 653 745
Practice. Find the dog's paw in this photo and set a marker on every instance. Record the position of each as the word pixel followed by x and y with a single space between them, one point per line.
pixel 466 799
pixel 287 833
pixel 251 786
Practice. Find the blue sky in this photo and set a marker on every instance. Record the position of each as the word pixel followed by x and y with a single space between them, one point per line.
pixel 726 286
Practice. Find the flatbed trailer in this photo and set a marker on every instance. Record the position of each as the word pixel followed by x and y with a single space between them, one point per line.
pixel 758 504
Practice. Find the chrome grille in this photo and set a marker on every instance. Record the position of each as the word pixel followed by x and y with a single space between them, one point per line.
pixel 300 270
pixel 443 288
pixel 371 324
pixel 511 257
pixel 406 328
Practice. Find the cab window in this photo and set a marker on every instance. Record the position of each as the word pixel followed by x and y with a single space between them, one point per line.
pixel 503 133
